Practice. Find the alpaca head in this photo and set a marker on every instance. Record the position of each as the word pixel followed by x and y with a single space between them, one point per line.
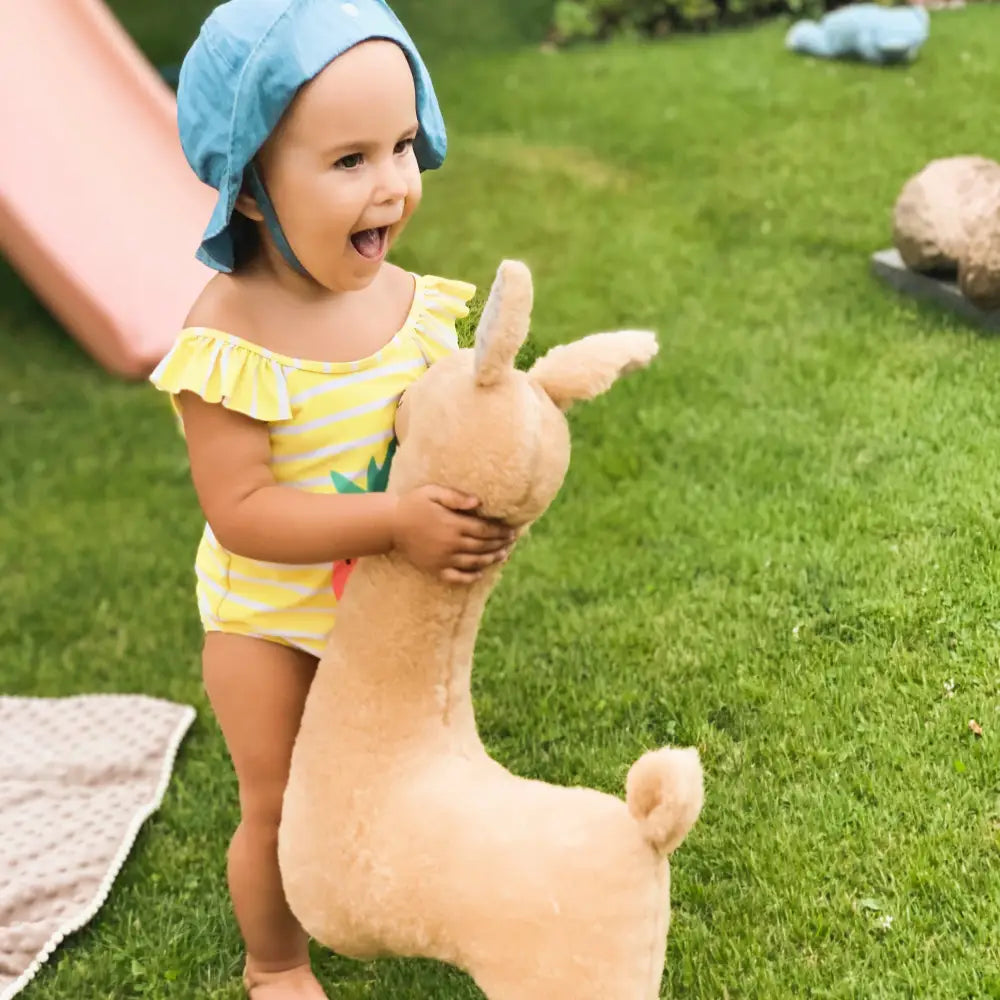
pixel 475 423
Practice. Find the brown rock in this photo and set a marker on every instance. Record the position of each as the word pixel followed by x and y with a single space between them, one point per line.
pixel 947 219
pixel 979 266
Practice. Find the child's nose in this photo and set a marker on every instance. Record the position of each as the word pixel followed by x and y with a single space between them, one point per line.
pixel 392 183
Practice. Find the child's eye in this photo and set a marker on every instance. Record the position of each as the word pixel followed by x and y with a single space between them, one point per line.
pixel 403 146
pixel 350 161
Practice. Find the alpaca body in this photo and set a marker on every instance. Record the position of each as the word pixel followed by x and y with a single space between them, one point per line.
pixel 412 816
pixel 454 844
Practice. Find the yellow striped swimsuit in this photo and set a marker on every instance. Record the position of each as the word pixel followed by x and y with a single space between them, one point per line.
pixel 331 429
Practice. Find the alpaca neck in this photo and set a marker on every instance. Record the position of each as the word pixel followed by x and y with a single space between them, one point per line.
pixel 399 660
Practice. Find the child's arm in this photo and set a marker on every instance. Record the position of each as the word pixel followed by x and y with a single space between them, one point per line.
pixel 254 516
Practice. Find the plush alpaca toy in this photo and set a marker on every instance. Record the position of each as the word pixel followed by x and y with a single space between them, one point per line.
pixel 865 31
pixel 400 835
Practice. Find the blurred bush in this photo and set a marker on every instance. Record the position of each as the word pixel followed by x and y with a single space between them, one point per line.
pixel 580 20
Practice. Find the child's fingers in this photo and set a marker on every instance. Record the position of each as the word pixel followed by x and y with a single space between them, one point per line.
pixel 477 527
pixel 478 546
pixel 473 563
pixel 452 499
pixel 467 567
pixel 469 562
pixel 459 576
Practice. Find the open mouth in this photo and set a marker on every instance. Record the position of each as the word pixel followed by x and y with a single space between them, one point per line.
pixel 371 243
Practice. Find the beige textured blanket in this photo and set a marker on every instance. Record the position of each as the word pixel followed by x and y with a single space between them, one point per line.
pixel 78 778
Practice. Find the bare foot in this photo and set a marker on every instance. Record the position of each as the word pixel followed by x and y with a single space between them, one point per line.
pixel 292 984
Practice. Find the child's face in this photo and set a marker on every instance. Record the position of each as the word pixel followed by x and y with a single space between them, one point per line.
pixel 340 167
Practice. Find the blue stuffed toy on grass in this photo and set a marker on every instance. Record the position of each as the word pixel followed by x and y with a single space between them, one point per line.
pixel 865 31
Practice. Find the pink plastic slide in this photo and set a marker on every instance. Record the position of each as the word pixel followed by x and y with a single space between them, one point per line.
pixel 99 212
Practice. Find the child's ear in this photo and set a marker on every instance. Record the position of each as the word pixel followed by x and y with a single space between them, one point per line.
pixel 246 205
pixel 590 366
pixel 247 201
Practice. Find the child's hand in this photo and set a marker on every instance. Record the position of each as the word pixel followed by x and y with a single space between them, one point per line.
pixel 435 529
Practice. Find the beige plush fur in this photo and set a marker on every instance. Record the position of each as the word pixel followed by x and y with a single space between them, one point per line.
pixel 400 835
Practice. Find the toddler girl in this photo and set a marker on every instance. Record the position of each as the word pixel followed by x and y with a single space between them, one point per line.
pixel 313 119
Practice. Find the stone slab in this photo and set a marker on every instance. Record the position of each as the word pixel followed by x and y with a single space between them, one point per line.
pixel 889 266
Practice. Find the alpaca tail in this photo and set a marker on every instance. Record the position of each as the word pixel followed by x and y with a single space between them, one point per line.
pixel 664 793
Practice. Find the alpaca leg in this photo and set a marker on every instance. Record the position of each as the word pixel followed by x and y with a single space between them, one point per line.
pixel 574 985
pixel 624 962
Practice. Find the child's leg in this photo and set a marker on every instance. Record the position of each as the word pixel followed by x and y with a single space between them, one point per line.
pixel 258 690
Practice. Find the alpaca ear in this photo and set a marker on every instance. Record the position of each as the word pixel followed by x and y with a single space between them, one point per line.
pixel 503 325
pixel 587 367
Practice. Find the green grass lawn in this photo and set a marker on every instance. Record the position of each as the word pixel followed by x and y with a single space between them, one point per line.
pixel 779 544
